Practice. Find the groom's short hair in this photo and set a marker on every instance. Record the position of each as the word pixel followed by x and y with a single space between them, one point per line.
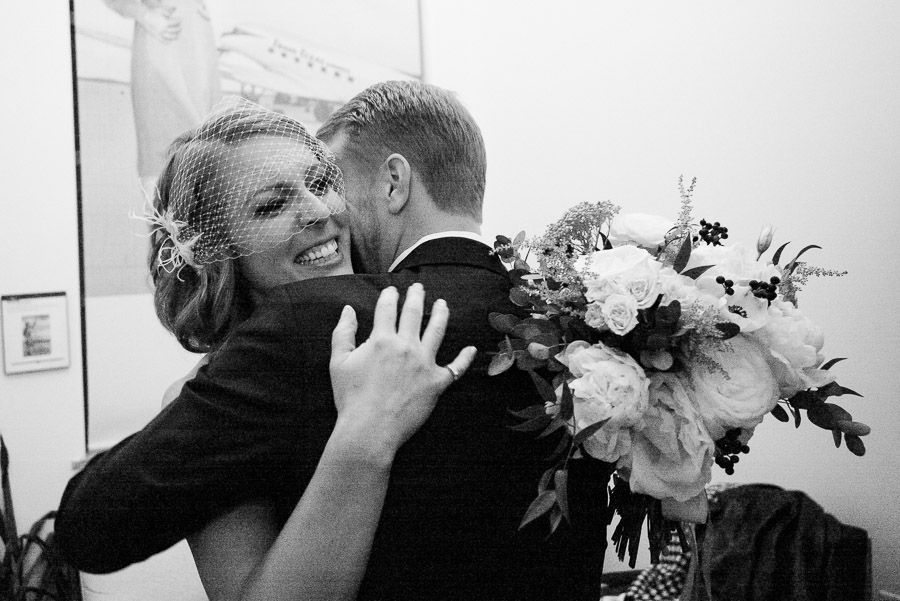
pixel 426 124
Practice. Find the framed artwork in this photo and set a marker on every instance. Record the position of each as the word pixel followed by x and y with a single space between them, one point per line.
pixel 148 70
pixel 35 332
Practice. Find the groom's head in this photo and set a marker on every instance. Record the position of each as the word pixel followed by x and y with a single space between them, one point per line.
pixel 413 162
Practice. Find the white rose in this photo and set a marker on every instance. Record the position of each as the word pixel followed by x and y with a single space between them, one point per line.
pixel 742 394
pixel 614 262
pixel 641 229
pixel 600 290
pixel 620 313
pixel 607 384
pixel 794 344
pixel 593 316
pixel 622 269
pixel 672 456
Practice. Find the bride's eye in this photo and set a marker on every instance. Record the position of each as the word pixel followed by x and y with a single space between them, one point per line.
pixel 271 207
pixel 318 186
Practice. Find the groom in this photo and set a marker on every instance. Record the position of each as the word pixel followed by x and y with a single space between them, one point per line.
pixel 253 423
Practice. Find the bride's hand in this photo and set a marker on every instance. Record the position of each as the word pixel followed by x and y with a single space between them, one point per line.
pixel 386 388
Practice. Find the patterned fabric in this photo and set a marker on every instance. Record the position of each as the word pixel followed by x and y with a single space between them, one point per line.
pixel 664 580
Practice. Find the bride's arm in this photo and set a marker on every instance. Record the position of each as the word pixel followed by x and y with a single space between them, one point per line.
pixel 384 391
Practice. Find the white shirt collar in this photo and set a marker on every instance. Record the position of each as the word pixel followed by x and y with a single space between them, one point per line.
pixel 435 236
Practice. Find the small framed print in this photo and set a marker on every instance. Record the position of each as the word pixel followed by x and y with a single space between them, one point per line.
pixel 35 332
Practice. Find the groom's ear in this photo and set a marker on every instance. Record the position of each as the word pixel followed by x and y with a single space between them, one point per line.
pixel 398 176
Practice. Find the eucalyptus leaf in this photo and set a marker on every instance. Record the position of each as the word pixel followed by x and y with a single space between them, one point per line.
pixel 520 297
pixel 837 438
pixel 520 264
pixel 828 364
pixel 547 339
pixel 539 351
pixel 526 331
pixel 545 325
pixel 854 428
pixel 835 389
pixel 535 423
pixel 544 388
pixel 588 431
pixel 541 505
pixel 503 322
pixel 684 254
pixel 529 412
pixel 821 416
pixel 520 238
pixel 554 425
pixel 795 413
pixel 790 266
pixel 526 362
pixel 566 403
pixel 562 445
pixel 804 400
pixel 780 414
pixel 560 484
pixel 696 272
pixel 556 516
pixel 777 256
pixel 855 444
pixel 544 481
pixel 500 363
pixel 838 413
pixel 607 245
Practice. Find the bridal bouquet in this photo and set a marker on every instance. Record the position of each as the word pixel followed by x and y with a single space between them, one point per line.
pixel 658 347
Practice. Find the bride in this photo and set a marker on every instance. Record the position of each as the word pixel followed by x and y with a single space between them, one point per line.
pixel 249 462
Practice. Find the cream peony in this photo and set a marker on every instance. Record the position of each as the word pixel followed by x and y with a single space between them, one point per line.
pixel 740 265
pixel 674 286
pixel 739 397
pixel 607 384
pixel 794 344
pixel 672 456
pixel 640 229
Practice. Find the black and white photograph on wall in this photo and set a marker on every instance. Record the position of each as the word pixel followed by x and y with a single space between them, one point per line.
pixel 35 332
pixel 148 70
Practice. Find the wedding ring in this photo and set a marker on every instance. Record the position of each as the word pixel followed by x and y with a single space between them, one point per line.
pixel 453 373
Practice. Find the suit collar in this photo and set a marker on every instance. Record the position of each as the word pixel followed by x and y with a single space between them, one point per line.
pixel 453 251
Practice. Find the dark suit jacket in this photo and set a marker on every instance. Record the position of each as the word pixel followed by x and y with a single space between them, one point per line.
pixel 254 421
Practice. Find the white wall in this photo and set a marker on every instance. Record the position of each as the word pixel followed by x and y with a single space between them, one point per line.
pixel 787 112
pixel 41 413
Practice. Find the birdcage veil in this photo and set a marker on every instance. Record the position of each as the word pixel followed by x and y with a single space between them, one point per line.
pixel 243 181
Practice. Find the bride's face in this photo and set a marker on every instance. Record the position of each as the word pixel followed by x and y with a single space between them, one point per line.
pixel 286 214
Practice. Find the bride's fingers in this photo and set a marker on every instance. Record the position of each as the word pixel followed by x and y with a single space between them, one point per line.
pixel 411 315
pixel 436 328
pixel 343 338
pixel 385 320
pixel 456 368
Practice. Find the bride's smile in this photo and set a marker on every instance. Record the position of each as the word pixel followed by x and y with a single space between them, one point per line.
pixel 292 201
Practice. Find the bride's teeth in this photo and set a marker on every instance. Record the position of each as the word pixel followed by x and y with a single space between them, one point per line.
pixel 318 252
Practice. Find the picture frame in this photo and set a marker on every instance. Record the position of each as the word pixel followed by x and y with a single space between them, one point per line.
pixel 35 330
